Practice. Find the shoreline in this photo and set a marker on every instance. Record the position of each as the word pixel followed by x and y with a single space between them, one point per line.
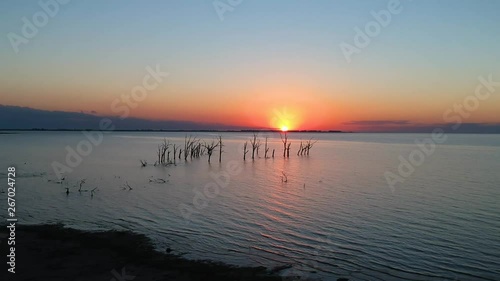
pixel 53 252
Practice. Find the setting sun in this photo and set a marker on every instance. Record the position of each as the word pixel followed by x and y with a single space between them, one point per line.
pixel 284 128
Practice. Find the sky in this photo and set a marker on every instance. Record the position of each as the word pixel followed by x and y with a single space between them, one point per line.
pixel 262 64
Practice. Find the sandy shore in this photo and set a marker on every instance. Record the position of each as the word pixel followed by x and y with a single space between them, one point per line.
pixel 52 252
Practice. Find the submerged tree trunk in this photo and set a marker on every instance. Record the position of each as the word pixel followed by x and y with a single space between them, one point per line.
pixel 284 139
pixel 245 151
pixel 220 148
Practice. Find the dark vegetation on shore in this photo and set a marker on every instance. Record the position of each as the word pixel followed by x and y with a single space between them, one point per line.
pixel 52 252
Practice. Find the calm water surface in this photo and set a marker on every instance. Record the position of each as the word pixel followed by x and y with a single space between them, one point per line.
pixel 335 216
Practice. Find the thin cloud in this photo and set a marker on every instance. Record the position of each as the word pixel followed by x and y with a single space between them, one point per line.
pixel 377 122
pixel 406 126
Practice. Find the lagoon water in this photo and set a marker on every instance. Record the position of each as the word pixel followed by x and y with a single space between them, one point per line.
pixel 335 216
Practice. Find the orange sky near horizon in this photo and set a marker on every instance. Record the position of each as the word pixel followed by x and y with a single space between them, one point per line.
pixel 263 94
pixel 299 107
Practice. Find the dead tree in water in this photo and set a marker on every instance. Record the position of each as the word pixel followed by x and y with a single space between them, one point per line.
pixel 165 146
pixel 288 150
pixel 162 152
pixel 273 152
pixel 187 146
pixel 284 178
pixel 126 185
pixel 266 149
pixel 284 139
pixel 92 192
pixel 81 184
pixel 255 142
pixel 220 148
pixel 210 148
pixel 258 147
pixel 307 147
pixel 245 150
pixel 199 151
pixel 175 152
pixel 301 149
pixel 159 155
pixel 192 152
pixel 195 148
